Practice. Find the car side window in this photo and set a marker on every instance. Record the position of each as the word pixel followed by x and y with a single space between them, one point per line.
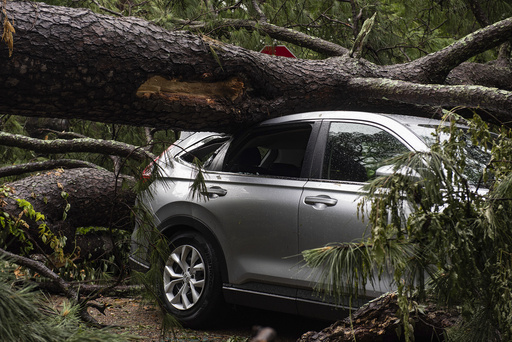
pixel 206 151
pixel 271 152
pixel 355 151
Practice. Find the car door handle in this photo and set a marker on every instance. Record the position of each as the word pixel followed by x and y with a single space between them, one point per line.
pixel 214 192
pixel 321 200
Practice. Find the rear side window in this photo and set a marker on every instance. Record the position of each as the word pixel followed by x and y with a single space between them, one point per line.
pixel 355 151
pixel 273 152
pixel 205 153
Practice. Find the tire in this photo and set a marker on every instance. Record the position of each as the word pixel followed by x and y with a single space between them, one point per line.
pixel 191 285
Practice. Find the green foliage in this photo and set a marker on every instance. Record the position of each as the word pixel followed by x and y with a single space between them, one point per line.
pixel 348 263
pixel 81 128
pixel 99 270
pixel 24 317
pixel 198 187
pixel 17 227
pixel 403 31
pixel 13 155
pixel 65 264
pixel 438 233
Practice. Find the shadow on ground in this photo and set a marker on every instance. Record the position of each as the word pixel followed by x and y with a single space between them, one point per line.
pixel 144 320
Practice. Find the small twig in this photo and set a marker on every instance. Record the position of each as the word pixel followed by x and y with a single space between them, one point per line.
pixel 336 21
pixel 261 16
pixel 106 9
pixel 98 306
pixel 62 135
pixel 40 268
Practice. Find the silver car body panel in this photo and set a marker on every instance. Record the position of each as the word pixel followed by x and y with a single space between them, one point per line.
pixel 262 223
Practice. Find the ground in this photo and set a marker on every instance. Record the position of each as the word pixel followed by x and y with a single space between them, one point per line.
pixel 139 318
pixel 144 319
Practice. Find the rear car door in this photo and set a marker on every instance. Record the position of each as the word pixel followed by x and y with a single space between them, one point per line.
pixel 255 199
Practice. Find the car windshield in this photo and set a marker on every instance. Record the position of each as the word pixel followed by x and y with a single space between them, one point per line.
pixel 477 157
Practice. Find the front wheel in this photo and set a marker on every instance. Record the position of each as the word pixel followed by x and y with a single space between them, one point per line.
pixel 191 287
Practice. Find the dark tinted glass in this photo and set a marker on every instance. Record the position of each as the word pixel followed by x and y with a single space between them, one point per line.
pixel 355 151
pixel 274 152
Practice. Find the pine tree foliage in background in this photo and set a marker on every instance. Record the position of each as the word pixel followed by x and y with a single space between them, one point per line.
pixel 440 225
pixel 13 155
pixel 82 129
pixel 406 30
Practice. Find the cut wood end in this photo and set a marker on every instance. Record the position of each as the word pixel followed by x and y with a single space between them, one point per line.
pixel 230 89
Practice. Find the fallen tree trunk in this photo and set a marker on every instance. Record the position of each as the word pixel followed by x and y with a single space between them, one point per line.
pixel 73 63
pixel 378 321
pixel 70 199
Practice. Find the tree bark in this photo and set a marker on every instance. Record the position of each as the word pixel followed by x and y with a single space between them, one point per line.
pixel 40 268
pixel 86 289
pixel 95 198
pixel 110 147
pixel 377 321
pixel 20 169
pixel 75 63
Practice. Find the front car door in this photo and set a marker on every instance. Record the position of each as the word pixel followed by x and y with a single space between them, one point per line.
pixel 345 159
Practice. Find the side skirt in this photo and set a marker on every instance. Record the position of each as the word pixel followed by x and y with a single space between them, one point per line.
pixel 308 304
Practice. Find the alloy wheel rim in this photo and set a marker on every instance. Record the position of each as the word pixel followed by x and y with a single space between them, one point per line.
pixel 184 277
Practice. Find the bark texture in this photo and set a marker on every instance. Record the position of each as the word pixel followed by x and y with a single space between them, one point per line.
pixel 377 321
pixel 75 63
pixel 95 197
pixel 16 170
pixel 111 147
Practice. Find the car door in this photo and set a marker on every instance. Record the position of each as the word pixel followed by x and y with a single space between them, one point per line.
pixel 345 159
pixel 255 199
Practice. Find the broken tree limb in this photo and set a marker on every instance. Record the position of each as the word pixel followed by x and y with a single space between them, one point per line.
pixel 40 268
pixel 110 147
pixel 378 321
pixel 43 166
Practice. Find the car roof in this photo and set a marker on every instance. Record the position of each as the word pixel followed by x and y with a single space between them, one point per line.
pixel 353 115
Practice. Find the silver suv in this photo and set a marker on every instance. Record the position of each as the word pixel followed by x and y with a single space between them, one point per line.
pixel 284 186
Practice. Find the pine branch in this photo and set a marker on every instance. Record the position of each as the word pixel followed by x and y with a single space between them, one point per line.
pixel 279 33
pixel 109 147
pixel 40 268
pixel 436 66
pixel 42 166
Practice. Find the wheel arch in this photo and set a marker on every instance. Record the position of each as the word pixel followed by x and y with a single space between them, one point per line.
pixel 179 224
